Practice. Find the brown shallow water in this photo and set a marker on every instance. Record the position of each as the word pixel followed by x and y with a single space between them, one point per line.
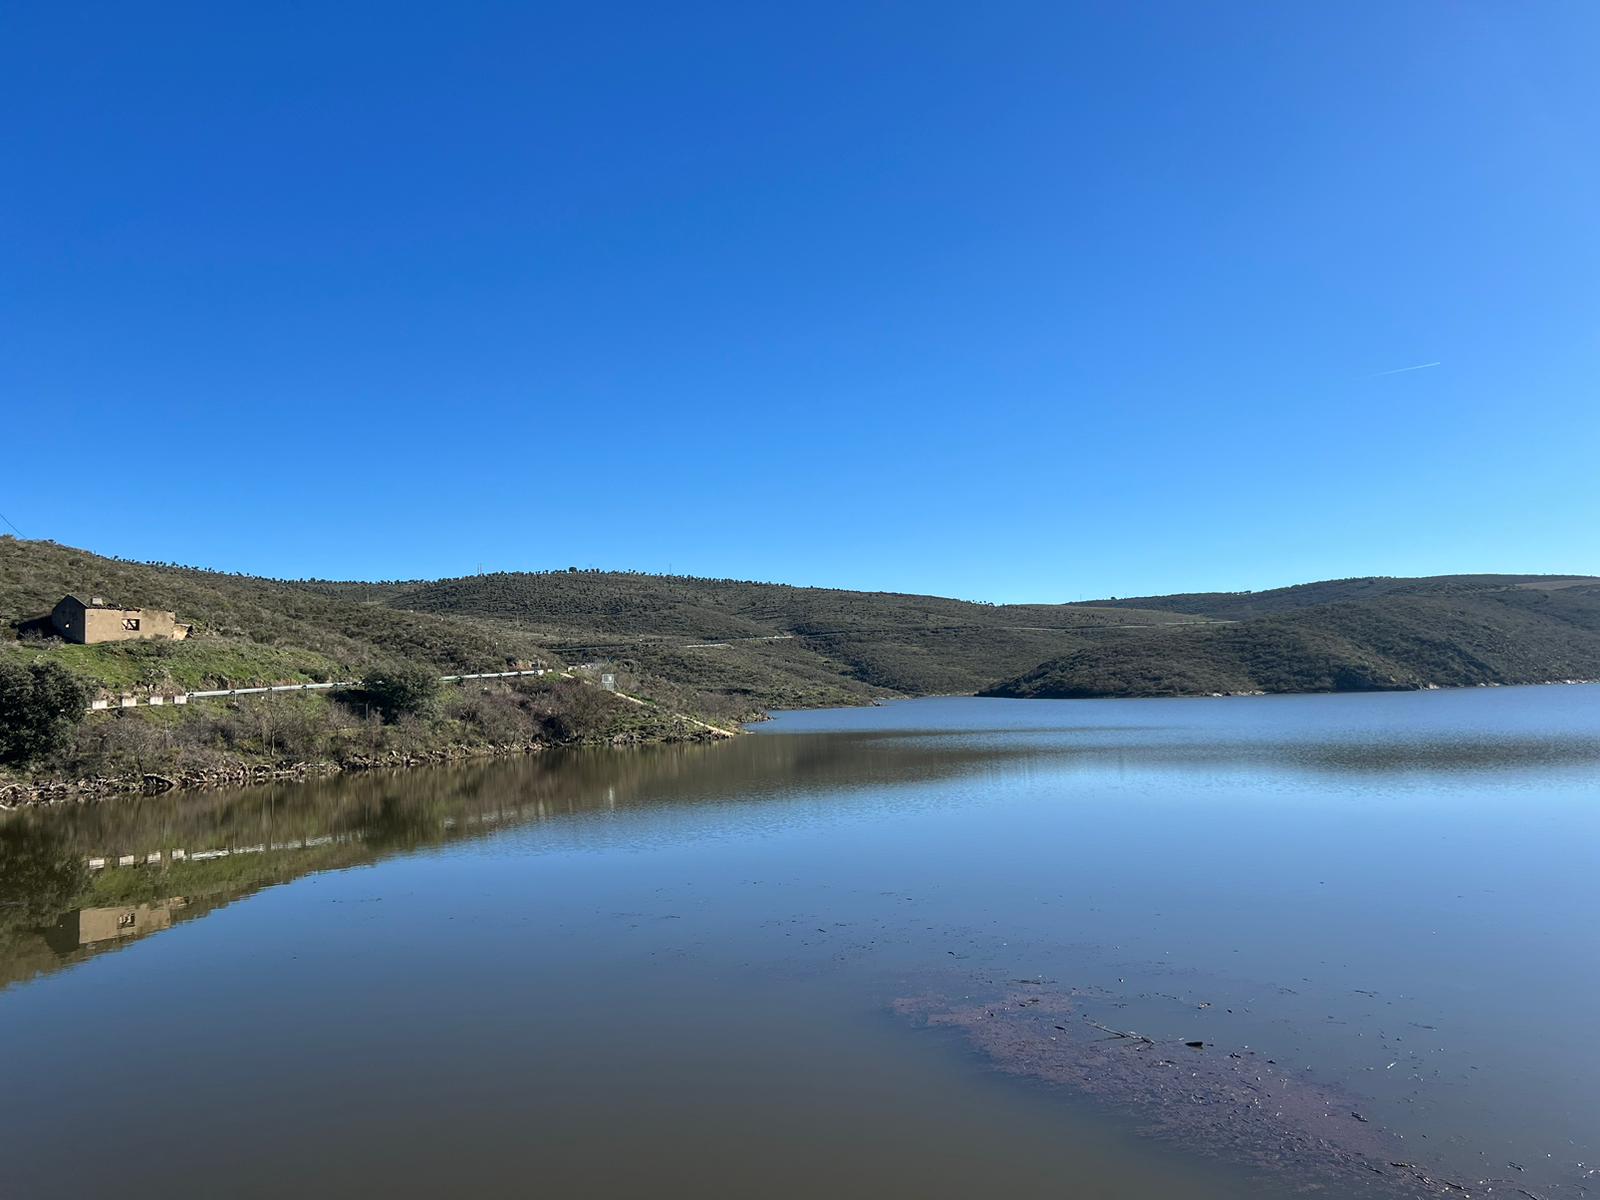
pixel 858 953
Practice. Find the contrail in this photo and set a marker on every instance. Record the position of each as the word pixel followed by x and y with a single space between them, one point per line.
pixel 1402 370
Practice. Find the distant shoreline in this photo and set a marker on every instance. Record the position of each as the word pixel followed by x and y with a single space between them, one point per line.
pixel 244 773
pixel 1470 687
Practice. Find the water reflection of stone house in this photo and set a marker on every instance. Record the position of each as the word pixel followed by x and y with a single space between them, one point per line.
pixel 90 926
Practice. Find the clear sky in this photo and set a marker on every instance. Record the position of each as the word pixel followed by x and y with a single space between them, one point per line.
pixel 1001 300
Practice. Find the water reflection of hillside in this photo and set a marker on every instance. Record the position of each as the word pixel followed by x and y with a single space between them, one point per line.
pixel 79 880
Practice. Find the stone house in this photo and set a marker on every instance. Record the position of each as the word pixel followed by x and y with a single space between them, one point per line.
pixel 96 621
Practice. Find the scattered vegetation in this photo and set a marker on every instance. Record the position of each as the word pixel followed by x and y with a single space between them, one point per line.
pixel 216 740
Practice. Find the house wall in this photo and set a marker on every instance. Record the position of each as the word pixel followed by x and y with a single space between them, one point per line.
pixel 67 617
pixel 107 624
pixel 91 625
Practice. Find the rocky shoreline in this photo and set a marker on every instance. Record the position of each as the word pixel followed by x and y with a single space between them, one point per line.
pixel 18 794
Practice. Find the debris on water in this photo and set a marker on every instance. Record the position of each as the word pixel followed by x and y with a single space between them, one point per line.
pixel 1227 1102
pixel 1129 1034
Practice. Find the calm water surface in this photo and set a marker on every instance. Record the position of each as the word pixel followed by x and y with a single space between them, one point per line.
pixel 710 970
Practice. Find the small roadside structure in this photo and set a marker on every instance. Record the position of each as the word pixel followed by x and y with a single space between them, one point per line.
pixel 88 622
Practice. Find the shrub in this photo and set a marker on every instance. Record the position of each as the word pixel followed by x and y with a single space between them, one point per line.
pixel 125 742
pixel 40 703
pixel 569 711
pixel 496 716
pixel 401 690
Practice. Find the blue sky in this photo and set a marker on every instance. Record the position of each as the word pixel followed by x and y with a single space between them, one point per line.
pixel 1008 301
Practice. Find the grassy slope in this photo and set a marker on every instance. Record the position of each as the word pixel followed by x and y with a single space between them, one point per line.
pixel 842 645
pixel 247 631
pixel 1450 636
pixel 1235 606
pixel 848 647
pixel 250 631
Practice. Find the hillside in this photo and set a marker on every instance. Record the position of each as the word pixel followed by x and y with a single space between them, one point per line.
pixel 1234 606
pixel 694 650
pixel 247 631
pixel 1452 635
pixel 772 644
pixel 250 632
pixel 726 645
pixel 731 649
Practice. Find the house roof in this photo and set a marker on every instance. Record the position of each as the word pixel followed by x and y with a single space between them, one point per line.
pixel 97 602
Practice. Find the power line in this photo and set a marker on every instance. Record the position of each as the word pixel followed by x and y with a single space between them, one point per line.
pixel 14 529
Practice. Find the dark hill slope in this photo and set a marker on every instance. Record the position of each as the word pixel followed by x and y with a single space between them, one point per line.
pixel 1448 637
pixel 784 645
pixel 1236 606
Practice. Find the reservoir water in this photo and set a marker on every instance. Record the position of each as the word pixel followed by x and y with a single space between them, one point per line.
pixel 949 947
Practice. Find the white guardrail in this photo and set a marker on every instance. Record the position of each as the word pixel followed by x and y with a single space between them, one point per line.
pixel 153 701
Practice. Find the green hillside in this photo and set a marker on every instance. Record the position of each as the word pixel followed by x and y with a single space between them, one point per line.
pixel 250 632
pixel 729 646
pixel 1452 635
pixel 247 631
pixel 729 649
pixel 772 644
pixel 1239 605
